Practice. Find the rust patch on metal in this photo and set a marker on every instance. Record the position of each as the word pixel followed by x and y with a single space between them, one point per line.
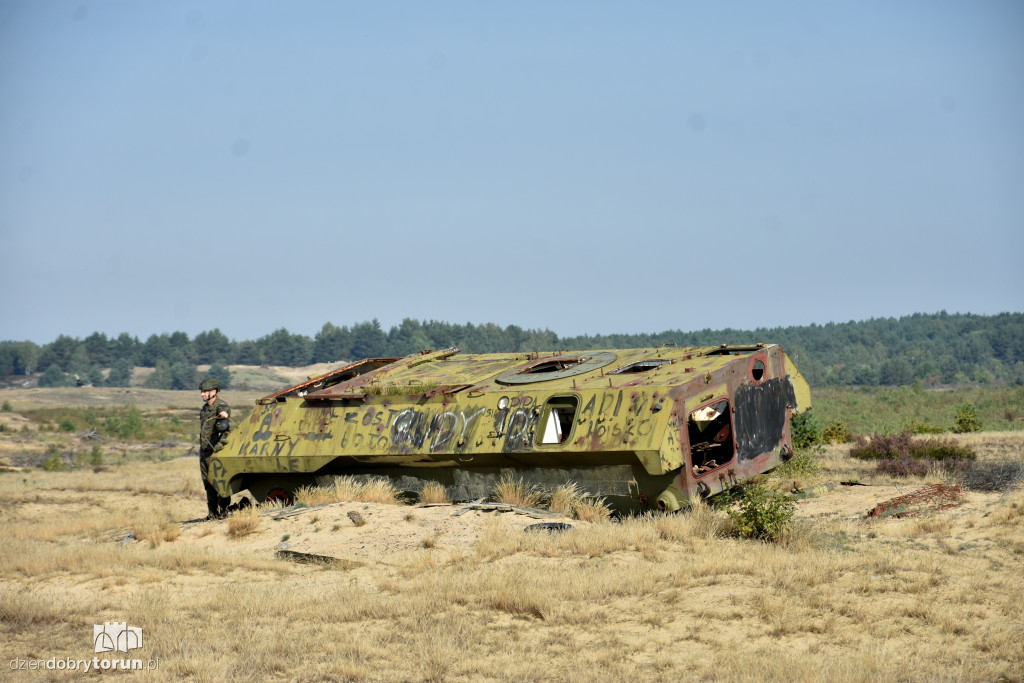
pixel 931 498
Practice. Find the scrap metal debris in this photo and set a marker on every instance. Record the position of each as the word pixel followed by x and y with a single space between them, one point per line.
pixel 931 498
pixel 356 518
pixel 312 558
pixel 505 507
pixel 550 527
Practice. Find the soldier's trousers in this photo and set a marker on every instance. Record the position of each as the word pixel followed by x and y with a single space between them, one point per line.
pixel 215 505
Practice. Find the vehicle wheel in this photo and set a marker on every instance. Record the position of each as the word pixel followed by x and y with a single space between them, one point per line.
pixel 280 495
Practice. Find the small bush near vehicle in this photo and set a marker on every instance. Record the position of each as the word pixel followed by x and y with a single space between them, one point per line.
pixel 759 512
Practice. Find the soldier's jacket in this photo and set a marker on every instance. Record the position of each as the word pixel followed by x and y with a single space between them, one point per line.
pixel 211 439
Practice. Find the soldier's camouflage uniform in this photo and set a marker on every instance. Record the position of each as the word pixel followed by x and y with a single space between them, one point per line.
pixel 211 440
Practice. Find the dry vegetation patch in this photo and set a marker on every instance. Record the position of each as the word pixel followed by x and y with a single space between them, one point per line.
pixel 420 594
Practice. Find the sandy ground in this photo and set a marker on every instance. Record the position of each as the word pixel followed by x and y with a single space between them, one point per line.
pixel 388 531
pixel 391 531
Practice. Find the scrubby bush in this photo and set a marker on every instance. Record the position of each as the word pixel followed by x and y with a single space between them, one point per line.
pixel 802 464
pixel 902 456
pixel 805 430
pixel 836 432
pixel 966 419
pixel 923 427
pixel 54 462
pixel 759 512
pixel 895 447
pixel 96 456
pixel 912 467
pixel 128 427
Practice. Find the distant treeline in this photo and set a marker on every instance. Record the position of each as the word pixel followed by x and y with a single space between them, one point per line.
pixel 935 349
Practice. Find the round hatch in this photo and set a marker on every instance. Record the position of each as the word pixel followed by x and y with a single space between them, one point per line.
pixel 556 367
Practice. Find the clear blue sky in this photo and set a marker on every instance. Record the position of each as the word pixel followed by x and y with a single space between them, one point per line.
pixel 587 167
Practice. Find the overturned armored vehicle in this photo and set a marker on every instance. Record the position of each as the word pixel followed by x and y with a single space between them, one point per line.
pixel 639 427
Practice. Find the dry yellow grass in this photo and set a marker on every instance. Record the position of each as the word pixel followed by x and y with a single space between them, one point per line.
pixel 514 491
pixel 433 493
pixel 244 522
pixel 570 500
pixel 348 489
pixel 935 597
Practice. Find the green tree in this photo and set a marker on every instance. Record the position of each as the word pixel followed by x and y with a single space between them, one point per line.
pixel 157 347
pixel 120 373
pixel 369 340
pixel 58 351
pixel 80 363
pixel 125 347
pixel 407 338
pixel 98 347
pixel 6 359
pixel 161 377
pixel 221 374
pixel 212 347
pixel 283 348
pixel 332 344
pixel 184 376
pixel 181 346
pixel 248 353
pixel 26 357
pixel 896 372
pixel 53 377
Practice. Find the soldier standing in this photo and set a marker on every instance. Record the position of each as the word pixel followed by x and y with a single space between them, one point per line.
pixel 214 425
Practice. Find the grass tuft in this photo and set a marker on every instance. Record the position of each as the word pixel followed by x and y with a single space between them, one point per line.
pixel 346 489
pixel 514 491
pixel 434 493
pixel 244 522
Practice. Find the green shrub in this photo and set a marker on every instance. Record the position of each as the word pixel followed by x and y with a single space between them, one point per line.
pixel 53 462
pixel 128 427
pixel 802 464
pixel 96 456
pixel 67 425
pixel 923 427
pixel 836 432
pixel 966 419
pixel 759 512
pixel 7 408
pixel 805 430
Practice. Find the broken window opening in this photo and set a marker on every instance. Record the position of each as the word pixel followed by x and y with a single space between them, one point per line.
pixel 640 366
pixel 560 414
pixel 709 429
pixel 552 366
pixel 757 370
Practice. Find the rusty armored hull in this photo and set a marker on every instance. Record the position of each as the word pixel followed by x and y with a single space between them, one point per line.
pixel 639 427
